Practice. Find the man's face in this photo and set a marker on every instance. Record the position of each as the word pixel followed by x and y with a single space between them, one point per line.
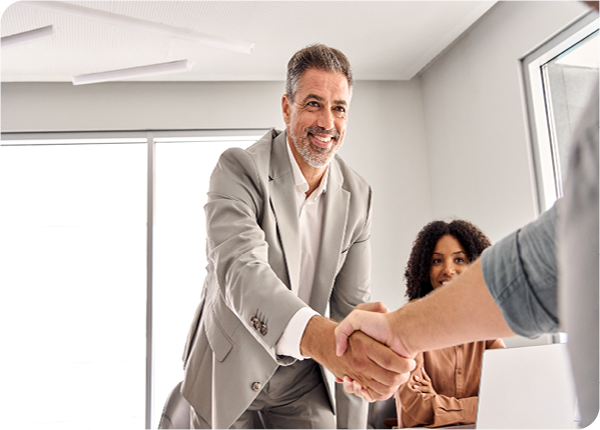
pixel 316 119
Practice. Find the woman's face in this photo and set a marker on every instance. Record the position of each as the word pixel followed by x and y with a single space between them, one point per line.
pixel 449 259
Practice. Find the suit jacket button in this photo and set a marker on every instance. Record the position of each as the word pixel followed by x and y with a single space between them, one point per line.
pixel 256 386
pixel 255 322
pixel 264 329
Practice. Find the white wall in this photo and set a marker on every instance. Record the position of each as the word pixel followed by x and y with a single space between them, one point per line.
pixel 386 144
pixel 140 106
pixel 385 141
pixel 479 153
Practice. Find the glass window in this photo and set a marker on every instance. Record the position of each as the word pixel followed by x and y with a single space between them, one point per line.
pixel 568 81
pixel 559 77
pixel 74 246
pixel 72 270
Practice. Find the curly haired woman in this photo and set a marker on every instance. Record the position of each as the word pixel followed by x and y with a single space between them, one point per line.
pixel 443 388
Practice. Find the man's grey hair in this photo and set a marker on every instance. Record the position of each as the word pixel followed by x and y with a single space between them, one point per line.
pixel 316 56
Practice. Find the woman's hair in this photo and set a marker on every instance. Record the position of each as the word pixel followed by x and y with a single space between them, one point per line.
pixel 417 271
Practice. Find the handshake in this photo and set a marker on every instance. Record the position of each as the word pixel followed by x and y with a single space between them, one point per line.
pixel 367 358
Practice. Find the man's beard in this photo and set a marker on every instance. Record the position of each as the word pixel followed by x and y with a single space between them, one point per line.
pixel 315 156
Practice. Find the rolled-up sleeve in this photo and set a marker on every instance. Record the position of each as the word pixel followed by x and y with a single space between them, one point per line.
pixel 520 272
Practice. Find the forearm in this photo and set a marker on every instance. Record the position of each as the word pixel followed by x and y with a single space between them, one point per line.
pixel 435 410
pixel 311 345
pixel 289 342
pixel 414 408
pixel 451 411
pixel 420 405
pixel 461 312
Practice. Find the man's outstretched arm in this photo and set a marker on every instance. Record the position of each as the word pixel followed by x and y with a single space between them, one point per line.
pixel 463 311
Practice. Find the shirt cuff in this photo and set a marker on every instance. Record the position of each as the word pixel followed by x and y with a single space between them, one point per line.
pixel 289 342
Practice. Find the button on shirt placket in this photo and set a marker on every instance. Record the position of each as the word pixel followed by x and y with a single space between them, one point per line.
pixel 459 375
pixel 310 216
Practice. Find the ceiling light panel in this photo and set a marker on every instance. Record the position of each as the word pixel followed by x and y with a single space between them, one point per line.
pixel 133 72
pixel 28 36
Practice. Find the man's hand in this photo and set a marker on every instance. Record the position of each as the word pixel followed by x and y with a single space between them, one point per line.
pixel 374 320
pixel 371 307
pixel 373 366
pixel 376 325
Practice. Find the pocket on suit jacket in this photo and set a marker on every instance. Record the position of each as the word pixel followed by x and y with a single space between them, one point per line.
pixel 191 337
pixel 217 323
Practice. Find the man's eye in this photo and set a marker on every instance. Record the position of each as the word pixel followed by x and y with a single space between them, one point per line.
pixel 313 104
pixel 341 109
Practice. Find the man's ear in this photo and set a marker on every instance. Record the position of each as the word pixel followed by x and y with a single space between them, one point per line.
pixel 285 107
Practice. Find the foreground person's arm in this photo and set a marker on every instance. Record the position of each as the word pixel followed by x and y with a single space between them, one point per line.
pixel 463 311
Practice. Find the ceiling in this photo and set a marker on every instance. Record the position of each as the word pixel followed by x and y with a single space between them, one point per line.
pixel 384 40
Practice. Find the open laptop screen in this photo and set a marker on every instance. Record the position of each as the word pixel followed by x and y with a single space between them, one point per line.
pixel 526 388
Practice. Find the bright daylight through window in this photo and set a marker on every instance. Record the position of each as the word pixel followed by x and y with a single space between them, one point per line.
pixel 559 76
pixel 73 270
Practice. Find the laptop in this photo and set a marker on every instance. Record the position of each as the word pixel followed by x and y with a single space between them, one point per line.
pixel 526 388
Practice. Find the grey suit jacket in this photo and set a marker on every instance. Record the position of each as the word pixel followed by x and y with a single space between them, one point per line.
pixel 253 261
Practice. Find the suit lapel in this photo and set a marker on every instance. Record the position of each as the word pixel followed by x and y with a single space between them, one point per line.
pixel 283 203
pixel 335 217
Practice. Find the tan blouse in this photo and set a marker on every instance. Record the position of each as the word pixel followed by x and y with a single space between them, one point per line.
pixel 454 374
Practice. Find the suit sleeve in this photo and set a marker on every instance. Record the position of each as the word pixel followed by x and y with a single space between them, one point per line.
pixel 238 252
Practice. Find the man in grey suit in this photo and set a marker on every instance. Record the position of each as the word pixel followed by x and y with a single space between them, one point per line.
pixel 288 243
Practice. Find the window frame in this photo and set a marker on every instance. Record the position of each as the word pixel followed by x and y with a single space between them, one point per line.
pixel 543 149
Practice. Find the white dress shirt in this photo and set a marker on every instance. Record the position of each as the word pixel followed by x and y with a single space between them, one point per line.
pixel 310 219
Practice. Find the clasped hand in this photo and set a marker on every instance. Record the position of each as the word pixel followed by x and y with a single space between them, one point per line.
pixel 370 318
pixel 368 363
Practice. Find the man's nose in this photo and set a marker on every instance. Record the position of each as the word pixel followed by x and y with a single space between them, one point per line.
pixel 326 119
